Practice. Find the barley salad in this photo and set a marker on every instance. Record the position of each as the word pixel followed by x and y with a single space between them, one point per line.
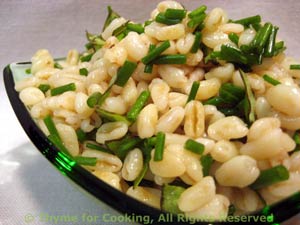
pixel 190 112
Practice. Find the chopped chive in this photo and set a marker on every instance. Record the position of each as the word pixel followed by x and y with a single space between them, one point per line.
pixel 199 27
pixel 170 197
pixel 194 146
pixel 123 146
pixel 197 20
pixel 259 59
pixel 271 80
pixel 150 142
pixel 256 26
pixel 136 27
pixel 262 37
pixel 112 116
pixel 97 147
pixel 151 48
pixel 89 45
pixel 28 71
pixel 86 161
pixel 249 20
pixel 95 41
pixel 142 174
pixel 57 66
pixel 296 149
pixel 170 59
pixel 206 162
pixel 232 54
pixel 122 35
pixel 83 71
pixel 93 100
pixel 98 43
pixel 250 99
pixel 230 100
pixel 229 111
pixel 156 52
pixel 212 56
pixel 81 135
pixel 147 22
pixel 125 72
pixel 104 96
pixel 234 38
pixel 159 146
pixel 61 89
pixel 149 67
pixel 235 90
pixel 269 52
pixel 44 87
pixel 91 135
pixel 296 137
pixel 54 135
pixel 175 13
pixel 161 18
pixel 231 93
pixel 138 105
pixel 228 97
pixel 110 17
pixel 196 43
pixel 271 176
pixel 257 38
pixel 121 29
pixel 295 67
pixel 216 101
pixel 121 32
pixel 195 13
pixel 55 139
pixel 90 37
pixel 253 59
pixel 51 126
pixel 193 92
pixel 279 45
pixel 86 58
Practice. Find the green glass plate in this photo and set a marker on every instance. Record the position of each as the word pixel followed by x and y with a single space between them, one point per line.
pixel 273 214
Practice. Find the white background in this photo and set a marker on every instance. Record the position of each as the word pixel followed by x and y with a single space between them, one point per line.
pixel 29 184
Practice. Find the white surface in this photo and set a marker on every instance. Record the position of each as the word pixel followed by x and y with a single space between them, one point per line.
pixel 29 184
